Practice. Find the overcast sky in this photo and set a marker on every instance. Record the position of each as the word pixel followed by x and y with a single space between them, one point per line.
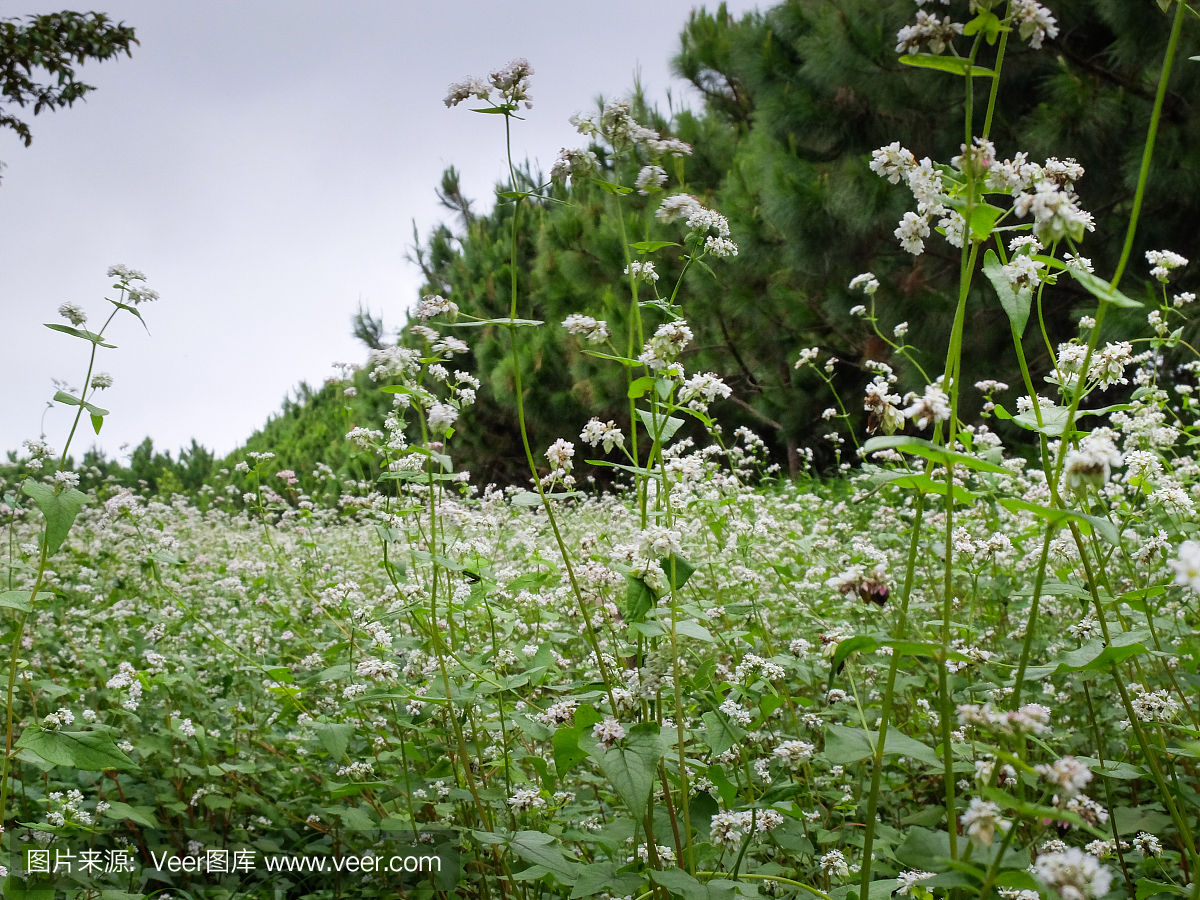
pixel 262 163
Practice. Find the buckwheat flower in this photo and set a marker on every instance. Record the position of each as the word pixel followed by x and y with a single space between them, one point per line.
pixel 892 162
pixel 441 417
pixel 125 274
pixel 650 178
pixel 700 390
pixel 1148 844
pixel 1082 263
pixel 1069 774
pixel 574 164
pixel 982 820
pixel 73 313
pixel 664 347
pixel 1187 565
pixel 187 729
pixel 883 407
pixel 927 30
pixel 435 305
pixel 363 438
pixel 67 480
pixel 659 541
pixel 866 282
pixel 1154 706
pixel 1183 299
pixel 138 295
pixel 795 752
pixel 1034 22
pixel 560 455
pixel 594 331
pixel 906 881
pixel 1086 323
pixel 377 669
pixel 596 432
pixel 925 182
pixel 911 231
pixel 101 381
pixel 929 409
pixel 513 81
pixel 642 271
pixel 837 695
pixel 954 226
pixel 834 863
pixel 1163 262
pixel 676 206
pixel 1023 272
pixel 525 799
pixel 445 346
pixel 1073 874
pixel 720 247
pixel 608 732
pixel 857 311
pixel 468 87
pixel 726 829
pixel 1055 212
pixel 1092 462
pixel 1108 365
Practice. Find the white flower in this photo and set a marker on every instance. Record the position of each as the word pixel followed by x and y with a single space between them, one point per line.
pixel 1035 22
pixel 608 732
pixel 866 282
pixel 468 87
pixel 73 313
pixel 101 381
pixel 596 432
pixel 434 305
pixel 892 162
pixel 982 820
pixel 560 455
pixel 1187 565
pixel 1092 462
pixel 703 389
pixel 650 178
pixel 665 346
pixel 574 164
pixel 834 863
pixel 1068 773
pixel 526 799
pixel 911 231
pixel 1073 874
pixel 642 271
pixel 1055 212
pixel 659 541
pixel 929 409
pixel 1163 261
pixel 927 29
pixel 594 331
pixel 720 247
pixel 441 417
pixel 795 752
pixel 1023 272
pixel 1148 844
pixel 906 881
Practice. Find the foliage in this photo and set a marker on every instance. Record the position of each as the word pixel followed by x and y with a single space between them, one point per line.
pixel 54 43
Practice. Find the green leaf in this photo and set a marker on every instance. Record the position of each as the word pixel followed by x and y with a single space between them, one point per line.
pixel 956 65
pixel 639 386
pixel 919 447
pixel 1054 418
pixel 1016 303
pixel 526 498
pixel 639 599
pixel 630 767
pixel 720 732
pixel 1057 517
pixel 97 422
pixel 1101 289
pixel 694 630
pixel 920 482
pixel 22 600
pixel 80 333
pixel 59 510
pixel 567 754
pixel 335 736
pixel 651 246
pixel 681 884
pixel 1147 888
pixel 677 569
pixel 661 427
pixel 1094 656
pixel 92 751
pixel 604 878
pixel 628 363
pixel 515 323
pixel 143 815
pixel 132 309
pixel 844 745
pixel 542 849
pixel 613 188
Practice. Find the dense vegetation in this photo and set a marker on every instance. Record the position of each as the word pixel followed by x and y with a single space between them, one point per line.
pixel 966 668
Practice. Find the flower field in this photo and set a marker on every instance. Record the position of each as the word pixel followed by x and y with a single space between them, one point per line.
pixel 964 663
